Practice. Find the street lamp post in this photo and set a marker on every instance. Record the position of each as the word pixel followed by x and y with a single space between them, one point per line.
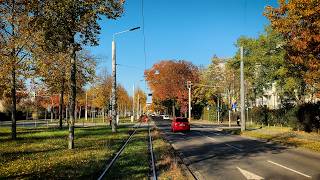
pixel 114 81
pixel 132 116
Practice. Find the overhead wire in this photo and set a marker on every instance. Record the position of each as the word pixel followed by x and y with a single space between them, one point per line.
pixel 144 45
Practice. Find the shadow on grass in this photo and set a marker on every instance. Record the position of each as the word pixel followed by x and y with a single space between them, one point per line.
pixel 89 140
pixel 72 170
pixel 35 133
pixel 285 139
pixel 11 156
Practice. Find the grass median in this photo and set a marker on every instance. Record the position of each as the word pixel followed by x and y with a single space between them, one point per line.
pixel 286 136
pixel 168 164
pixel 42 152
pixel 133 163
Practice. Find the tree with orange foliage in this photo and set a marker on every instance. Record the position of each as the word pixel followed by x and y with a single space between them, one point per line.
pixel 299 23
pixel 167 80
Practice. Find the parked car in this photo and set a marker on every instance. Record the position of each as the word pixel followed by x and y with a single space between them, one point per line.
pixel 165 117
pixel 180 124
pixel 143 118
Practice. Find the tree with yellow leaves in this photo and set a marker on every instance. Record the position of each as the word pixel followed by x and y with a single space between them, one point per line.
pixel 299 23
pixel 16 45
pixel 140 100
pixel 74 24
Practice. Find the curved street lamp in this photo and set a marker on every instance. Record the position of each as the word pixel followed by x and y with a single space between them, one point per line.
pixel 114 81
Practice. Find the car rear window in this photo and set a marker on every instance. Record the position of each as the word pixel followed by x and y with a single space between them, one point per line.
pixel 181 120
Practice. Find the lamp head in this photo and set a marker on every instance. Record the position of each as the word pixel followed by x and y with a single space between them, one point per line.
pixel 134 28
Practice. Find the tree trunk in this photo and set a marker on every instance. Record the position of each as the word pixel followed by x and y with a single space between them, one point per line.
pixel 13 105
pixel 173 110
pixel 51 113
pixel 103 114
pixel 61 104
pixel 73 91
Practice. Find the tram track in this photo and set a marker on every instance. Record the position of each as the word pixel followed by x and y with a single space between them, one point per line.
pixel 152 163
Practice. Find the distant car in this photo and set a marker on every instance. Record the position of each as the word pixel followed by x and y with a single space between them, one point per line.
pixel 144 118
pixel 180 124
pixel 165 117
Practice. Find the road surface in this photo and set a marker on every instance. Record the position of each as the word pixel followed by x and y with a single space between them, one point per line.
pixel 212 154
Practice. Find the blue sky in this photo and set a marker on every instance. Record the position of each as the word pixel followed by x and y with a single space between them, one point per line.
pixel 193 30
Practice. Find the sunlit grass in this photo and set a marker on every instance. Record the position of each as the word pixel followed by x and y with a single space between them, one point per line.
pixel 286 136
pixel 101 120
pixel 168 166
pixel 133 163
pixel 43 153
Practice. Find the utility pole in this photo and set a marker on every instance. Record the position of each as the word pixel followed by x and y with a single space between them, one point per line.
pixel 132 117
pixel 113 90
pixel 86 111
pixel 243 121
pixel 189 84
pixel 218 110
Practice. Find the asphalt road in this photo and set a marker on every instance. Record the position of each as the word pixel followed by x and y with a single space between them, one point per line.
pixel 212 154
pixel 25 123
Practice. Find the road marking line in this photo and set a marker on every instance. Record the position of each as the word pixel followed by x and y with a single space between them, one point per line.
pixel 218 141
pixel 250 175
pixel 212 139
pixel 233 147
pixel 289 169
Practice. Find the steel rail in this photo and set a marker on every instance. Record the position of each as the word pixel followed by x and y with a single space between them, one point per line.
pixel 108 167
pixel 154 172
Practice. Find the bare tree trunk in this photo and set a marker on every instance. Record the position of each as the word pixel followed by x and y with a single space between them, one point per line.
pixel 13 105
pixel 51 113
pixel 103 115
pixel 75 112
pixel 73 91
pixel 61 104
pixel 173 110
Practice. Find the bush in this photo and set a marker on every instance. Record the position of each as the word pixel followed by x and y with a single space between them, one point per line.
pixel 266 116
pixel 4 116
pixel 305 117
pixel 260 115
pixel 309 116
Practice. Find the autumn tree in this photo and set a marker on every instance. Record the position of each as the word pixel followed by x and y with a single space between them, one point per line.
pixel 16 41
pixel 265 65
pixel 101 91
pixel 167 80
pixel 298 21
pixel 140 100
pixel 54 67
pixel 74 24
pixel 211 80
pixel 217 82
pixel 124 100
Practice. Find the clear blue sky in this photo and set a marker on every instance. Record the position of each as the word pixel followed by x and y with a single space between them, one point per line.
pixel 192 30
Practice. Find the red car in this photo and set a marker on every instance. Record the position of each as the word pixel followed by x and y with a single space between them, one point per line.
pixel 180 124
